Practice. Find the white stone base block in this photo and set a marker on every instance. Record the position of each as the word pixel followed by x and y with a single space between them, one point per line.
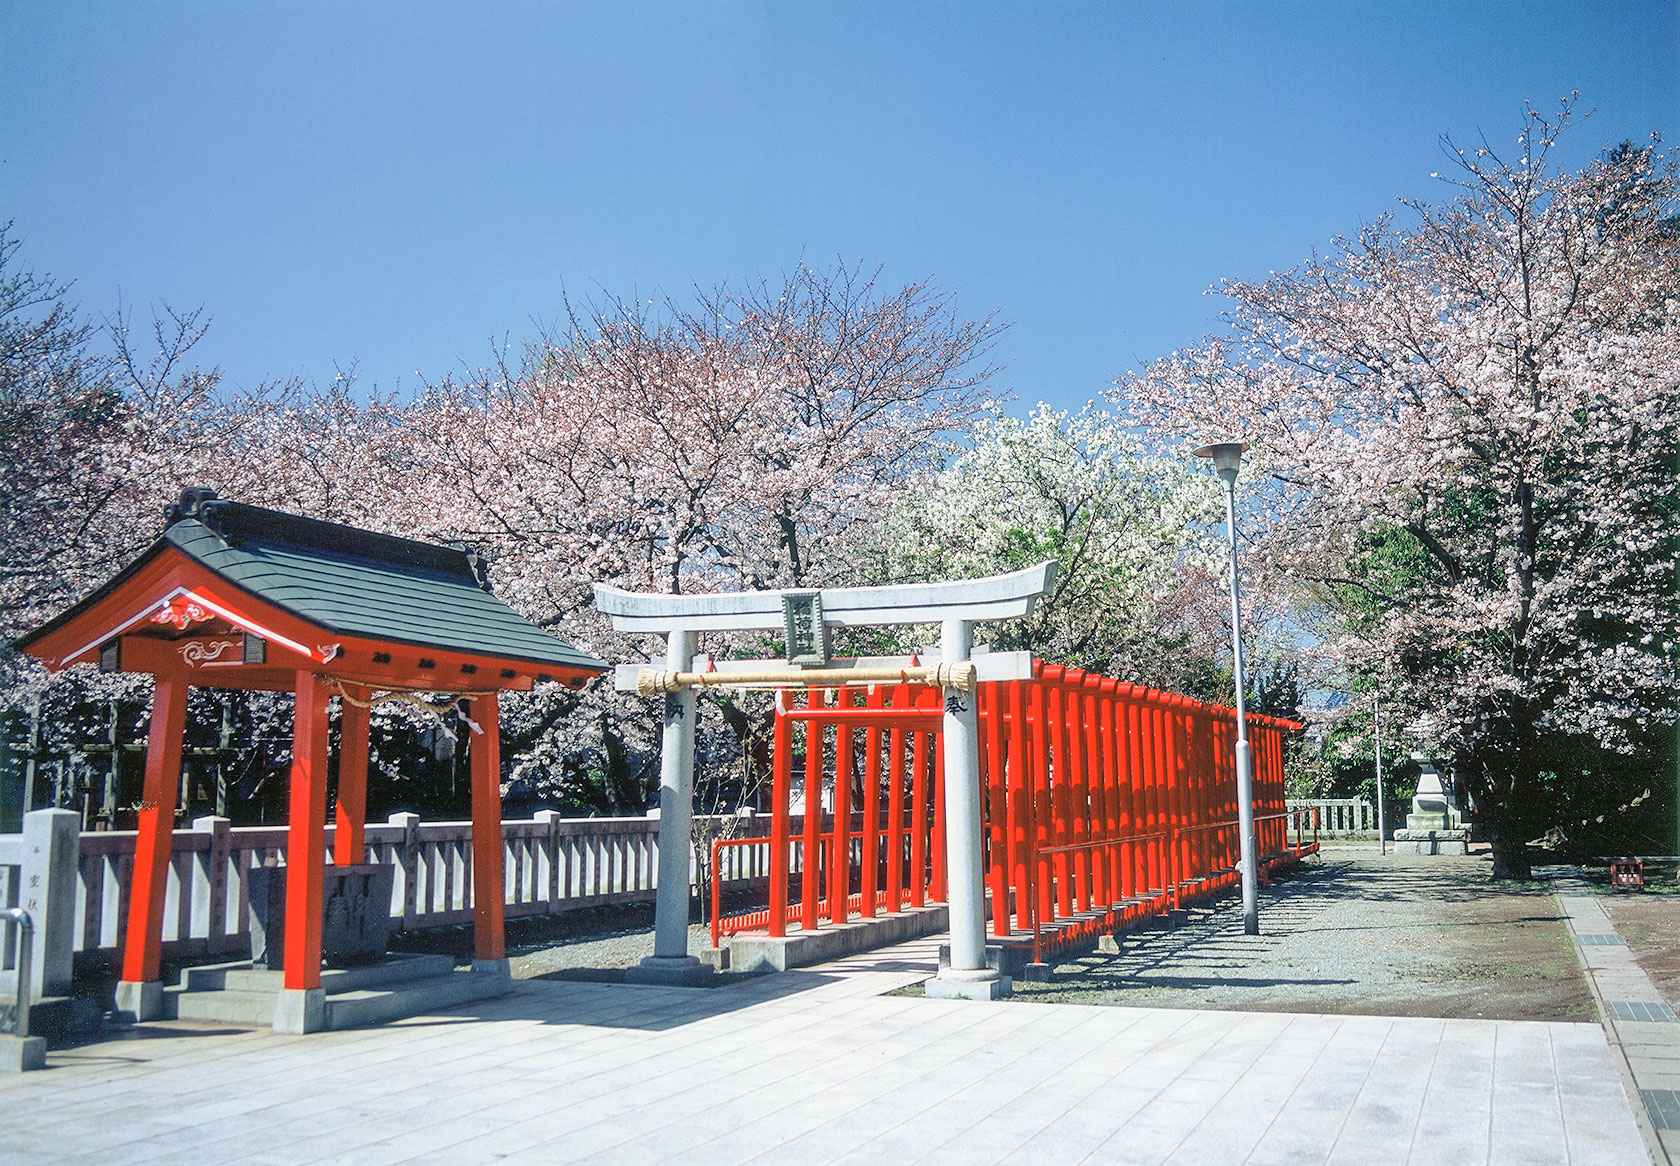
pixel 300 1010
pixel 501 967
pixel 985 984
pixel 1447 847
pixel 682 971
pixel 139 1000
pixel 19 1054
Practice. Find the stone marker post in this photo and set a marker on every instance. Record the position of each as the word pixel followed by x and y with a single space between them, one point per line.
pixel 51 842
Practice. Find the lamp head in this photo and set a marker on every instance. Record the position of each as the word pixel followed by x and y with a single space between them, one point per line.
pixel 1227 458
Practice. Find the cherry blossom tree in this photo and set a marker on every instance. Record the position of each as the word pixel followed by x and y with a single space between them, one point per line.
pixel 738 441
pixel 1129 531
pixel 1466 418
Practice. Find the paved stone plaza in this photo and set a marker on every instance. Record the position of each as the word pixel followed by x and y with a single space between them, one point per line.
pixel 819 1066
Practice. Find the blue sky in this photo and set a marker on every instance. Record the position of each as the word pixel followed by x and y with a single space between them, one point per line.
pixel 396 186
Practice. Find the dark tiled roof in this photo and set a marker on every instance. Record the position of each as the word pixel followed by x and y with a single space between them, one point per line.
pixel 354 583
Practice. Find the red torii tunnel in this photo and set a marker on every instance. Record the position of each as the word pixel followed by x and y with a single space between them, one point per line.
pixel 1104 803
pixel 236 596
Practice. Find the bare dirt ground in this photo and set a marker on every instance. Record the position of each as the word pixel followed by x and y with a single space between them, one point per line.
pixel 1650 922
pixel 1353 932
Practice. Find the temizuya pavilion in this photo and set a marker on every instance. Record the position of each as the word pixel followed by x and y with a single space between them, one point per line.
pixel 235 596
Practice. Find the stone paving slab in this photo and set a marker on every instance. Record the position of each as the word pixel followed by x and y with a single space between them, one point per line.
pixel 1644 1037
pixel 818 1066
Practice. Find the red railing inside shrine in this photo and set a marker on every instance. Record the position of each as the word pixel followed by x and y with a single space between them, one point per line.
pixel 1105 803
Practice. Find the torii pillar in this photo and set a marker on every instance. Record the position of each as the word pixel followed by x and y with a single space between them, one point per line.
pixel 670 962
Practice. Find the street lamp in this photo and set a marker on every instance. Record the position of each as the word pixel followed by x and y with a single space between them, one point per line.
pixel 1227 461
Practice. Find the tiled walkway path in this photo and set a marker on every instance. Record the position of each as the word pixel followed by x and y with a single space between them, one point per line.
pixel 1644 1034
pixel 818 1066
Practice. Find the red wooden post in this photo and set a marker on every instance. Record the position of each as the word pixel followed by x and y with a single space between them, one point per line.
pixel 1149 787
pixel 1075 791
pixel 840 881
pixel 871 811
pixel 1178 718
pixel 1231 778
pixel 1274 799
pixel 936 851
pixel 1171 724
pixel 1101 755
pixel 810 884
pixel 1060 776
pixel 895 810
pixel 918 818
pixel 781 806
pixel 351 814
pixel 1019 795
pixel 936 796
pixel 1200 736
pixel 994 765
pixel 1166 758
pixel 1039 778
pixel 1120 796
pixel 143 945
pixel 489 893
pixel 1137 795
pixel 306 833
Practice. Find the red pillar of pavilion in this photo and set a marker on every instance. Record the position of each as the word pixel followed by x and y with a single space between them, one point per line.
pixel 348 845
pixel 485 760
pixel 306 834
pixel 140 991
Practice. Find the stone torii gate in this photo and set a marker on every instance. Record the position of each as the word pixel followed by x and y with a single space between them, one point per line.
pixel 804 617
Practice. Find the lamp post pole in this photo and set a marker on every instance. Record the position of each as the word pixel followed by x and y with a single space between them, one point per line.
pixel 1227 461
pixel 1376 728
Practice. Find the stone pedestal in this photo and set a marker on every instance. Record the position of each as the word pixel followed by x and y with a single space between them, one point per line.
pixel 983 984
pixel 20 1054
pixel 139 1000
pixel 682 971
pixel 1435 825
pixel 987 983
pixel 300 1010
pixel 1410 841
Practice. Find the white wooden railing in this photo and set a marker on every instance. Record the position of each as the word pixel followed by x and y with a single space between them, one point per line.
pixel 1341 817
pixel 551 864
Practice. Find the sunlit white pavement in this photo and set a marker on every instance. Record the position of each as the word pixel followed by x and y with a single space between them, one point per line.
pixel 815 1066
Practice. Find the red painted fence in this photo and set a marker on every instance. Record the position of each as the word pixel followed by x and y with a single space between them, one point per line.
pixel 1105 803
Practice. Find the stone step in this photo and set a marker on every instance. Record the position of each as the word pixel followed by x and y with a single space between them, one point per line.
pixel 391 970
pixel 377 1005
pixel 355 996
pixel 225 1006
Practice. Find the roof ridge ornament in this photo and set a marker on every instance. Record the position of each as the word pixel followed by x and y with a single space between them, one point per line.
pixel 194 502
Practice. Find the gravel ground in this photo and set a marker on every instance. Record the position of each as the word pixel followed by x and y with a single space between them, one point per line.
pixel 1353 932
pixel 595 943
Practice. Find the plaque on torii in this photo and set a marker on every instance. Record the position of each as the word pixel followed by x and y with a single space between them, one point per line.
pixel 804 616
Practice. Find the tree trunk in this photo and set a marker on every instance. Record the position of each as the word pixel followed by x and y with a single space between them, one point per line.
pixel 1510 860
pixel 1502 814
